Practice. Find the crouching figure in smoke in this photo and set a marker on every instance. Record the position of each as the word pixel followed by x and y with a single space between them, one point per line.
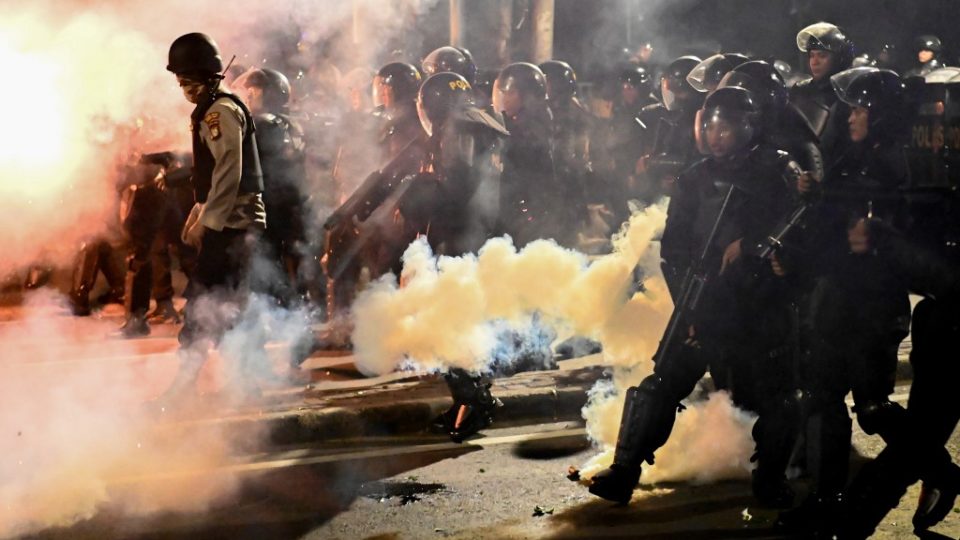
pixel 228 182
pixel 731 307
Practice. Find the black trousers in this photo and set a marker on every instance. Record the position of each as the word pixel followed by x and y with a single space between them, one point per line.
pixel 917 450
pixel 216 281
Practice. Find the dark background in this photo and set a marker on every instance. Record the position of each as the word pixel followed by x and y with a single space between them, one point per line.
pixel 591 32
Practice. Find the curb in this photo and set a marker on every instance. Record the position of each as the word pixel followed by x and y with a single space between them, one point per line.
pixel 524 402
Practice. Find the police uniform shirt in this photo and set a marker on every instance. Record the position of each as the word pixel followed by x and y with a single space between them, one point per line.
pixel 222 132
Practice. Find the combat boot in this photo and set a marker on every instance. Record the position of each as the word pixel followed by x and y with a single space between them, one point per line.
pixel 934 505
pixel 134 327
pixel 472 409
pixel 165 312
pixel 646 423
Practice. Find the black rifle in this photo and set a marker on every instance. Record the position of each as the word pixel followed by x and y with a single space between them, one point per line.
pixel 775 241
pixel 694 283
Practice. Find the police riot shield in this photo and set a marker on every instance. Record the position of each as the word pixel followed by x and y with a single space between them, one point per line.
pixel 933 151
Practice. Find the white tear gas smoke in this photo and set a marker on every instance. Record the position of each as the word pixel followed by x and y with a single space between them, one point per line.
pixel 76 436
pixel 91 93
pixel 711 440
pixel 450 310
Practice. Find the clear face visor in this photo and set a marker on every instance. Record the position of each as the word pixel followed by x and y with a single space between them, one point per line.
pixel 676 95
pixel 699 74
pixel 811 37
pixel 841 82
pixel 505 98
pixel 720 134
pixel 380 91
pixel 424 119
pixel 736 79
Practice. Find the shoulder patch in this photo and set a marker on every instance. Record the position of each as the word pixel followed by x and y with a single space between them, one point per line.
pixel 212 119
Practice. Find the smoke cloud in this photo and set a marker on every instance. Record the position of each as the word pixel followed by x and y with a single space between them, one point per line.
pixel 77 435
pixel 91 93
pixel 450 311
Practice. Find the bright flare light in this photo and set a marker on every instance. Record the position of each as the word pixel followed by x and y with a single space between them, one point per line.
pixel 33 145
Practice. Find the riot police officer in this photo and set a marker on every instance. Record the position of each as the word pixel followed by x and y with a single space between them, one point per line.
pixel 720 204
pixel 635 91
pixel 529 193
pixel 619 139
pixel 571 136
pixel 280 142
pixel 228 183
pixel 146 205
pixel 859 309
pixel 447 203
pixel 829 51
pixel 668 143
pixel 928 49
pixel 395 96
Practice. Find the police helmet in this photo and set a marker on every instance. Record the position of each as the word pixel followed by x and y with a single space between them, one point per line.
pixel 195 55
pixel 928 43
pixel 731 116
pixel 451 59
pixel 524 78
pixel 275 86
pixel 440 96
pixel 561 80
pixel 675 89
pixel 825 36
pixel 402 79
pixel 705 76
pixel 762 80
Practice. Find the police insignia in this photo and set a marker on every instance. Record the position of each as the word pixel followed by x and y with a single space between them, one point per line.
pixel 213 124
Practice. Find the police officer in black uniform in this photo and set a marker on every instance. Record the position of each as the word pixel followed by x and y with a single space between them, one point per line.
pixel 281 148
pixel 147 208
pixel 928 49
pixel 859 310
pixel 572 128
pixel 529 192
pixel 228 183
pixel 179 199
pixel 395 97
pixel 925 259
pixel 445 203
pixel 619 138
pixel 829 51
pixel 669 145
pixel 746 184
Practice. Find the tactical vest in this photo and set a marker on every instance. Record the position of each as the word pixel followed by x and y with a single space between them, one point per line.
pixel 251 176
